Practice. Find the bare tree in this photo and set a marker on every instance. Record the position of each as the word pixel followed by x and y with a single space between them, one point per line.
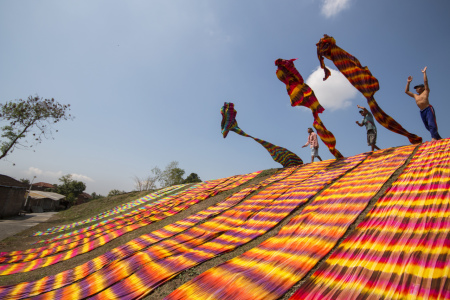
pixel 149 183
pixel 138 183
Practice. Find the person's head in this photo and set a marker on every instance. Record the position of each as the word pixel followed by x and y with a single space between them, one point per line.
pixel 419 88
pixel 310 130
pixel 362 112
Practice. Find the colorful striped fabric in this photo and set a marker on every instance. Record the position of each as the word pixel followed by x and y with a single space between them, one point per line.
pixel 117 270
pixel 65 278
pixel 214 234
pixel 227 183
pixel 302 95
pixel 116 210
pixel 271 269
pixel 362 79
pixel 402 249
pixel 280 202
pixel 279 154
pixel 172 205
pixel 137 218
pixel 299 92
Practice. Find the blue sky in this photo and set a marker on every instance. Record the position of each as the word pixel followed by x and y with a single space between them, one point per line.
pixel 146 80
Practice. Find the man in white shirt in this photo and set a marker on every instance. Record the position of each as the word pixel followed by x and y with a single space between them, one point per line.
pixel 313 144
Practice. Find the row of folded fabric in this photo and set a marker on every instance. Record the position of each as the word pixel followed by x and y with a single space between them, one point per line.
pixel 116 210
pixel 42 257
pixel 28 289
pixel 271 269
pixel 402 249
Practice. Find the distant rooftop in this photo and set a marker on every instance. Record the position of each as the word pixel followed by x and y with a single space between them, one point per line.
pixel 46 195
pixel 11 182
pixel 44 184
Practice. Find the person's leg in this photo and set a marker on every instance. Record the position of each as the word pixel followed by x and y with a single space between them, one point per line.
pixel 319 158
pixel 312 158
pixel 429 120
pixel 432 125
pixel 371 139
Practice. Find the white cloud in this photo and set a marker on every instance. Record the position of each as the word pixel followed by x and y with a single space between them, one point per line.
pixel 331 8
pixel 83 178
pixel 32 171
pixel 334 93
pixel 52 177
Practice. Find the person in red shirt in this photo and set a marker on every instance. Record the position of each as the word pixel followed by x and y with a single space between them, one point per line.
pixel 313 144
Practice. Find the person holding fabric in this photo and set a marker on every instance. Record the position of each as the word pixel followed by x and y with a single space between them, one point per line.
pixel 426 110
pixel 313 144
pixel 370 127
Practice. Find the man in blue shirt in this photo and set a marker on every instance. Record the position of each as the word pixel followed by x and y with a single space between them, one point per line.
pixel 370 127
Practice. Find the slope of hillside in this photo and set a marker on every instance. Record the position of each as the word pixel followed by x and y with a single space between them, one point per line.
pixel 371 226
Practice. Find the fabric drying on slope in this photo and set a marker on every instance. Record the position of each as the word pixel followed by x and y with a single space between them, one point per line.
pixel 49 283
pixel 271 269
pixel 116 210
pixel 280 204
pixel 402 249
pixel 170 206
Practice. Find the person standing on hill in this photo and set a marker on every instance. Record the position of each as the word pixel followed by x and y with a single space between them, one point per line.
pixel 313 144
pixel 426 110
pixel 370 127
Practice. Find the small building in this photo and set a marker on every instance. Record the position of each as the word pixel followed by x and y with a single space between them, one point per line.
pixel 12 196
pixel 42 186
pixel 39 201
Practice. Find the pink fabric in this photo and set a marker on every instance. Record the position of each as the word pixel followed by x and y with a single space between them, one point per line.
pixel 312 141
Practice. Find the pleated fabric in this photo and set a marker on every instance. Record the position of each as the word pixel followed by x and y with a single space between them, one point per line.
pixel 279 154
pixel 402 249
pixel 271 269
pixel 119 270
pixel 172 205
pixel 280 204
pixel 114 211
pixel 49 283
pixel 362 79
pixel 302 95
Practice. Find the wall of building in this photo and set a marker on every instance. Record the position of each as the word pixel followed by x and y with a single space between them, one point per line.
pixel 11 201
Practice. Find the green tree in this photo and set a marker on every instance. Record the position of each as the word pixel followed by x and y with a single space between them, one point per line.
pixel 192 178
pixel 115 193
pixel 172 175
pixel 25 180
pixel 28 122
pixel 94 196
pixel 70 188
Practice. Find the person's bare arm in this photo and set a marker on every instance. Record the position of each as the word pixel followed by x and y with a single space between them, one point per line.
pixel 407 87
pixel 363 108
pixel 425 79
pixel 360 125
pixel 307 143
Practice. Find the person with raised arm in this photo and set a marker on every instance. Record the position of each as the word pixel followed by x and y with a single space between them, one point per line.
pixel 426 110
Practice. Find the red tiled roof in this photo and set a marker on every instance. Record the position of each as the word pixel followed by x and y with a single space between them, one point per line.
pixel 44 184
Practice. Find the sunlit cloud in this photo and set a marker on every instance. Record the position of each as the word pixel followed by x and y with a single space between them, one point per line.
pixel 83 178
pixel 53 176
pixel 334 93
pixel 32 171
pixel 331 8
